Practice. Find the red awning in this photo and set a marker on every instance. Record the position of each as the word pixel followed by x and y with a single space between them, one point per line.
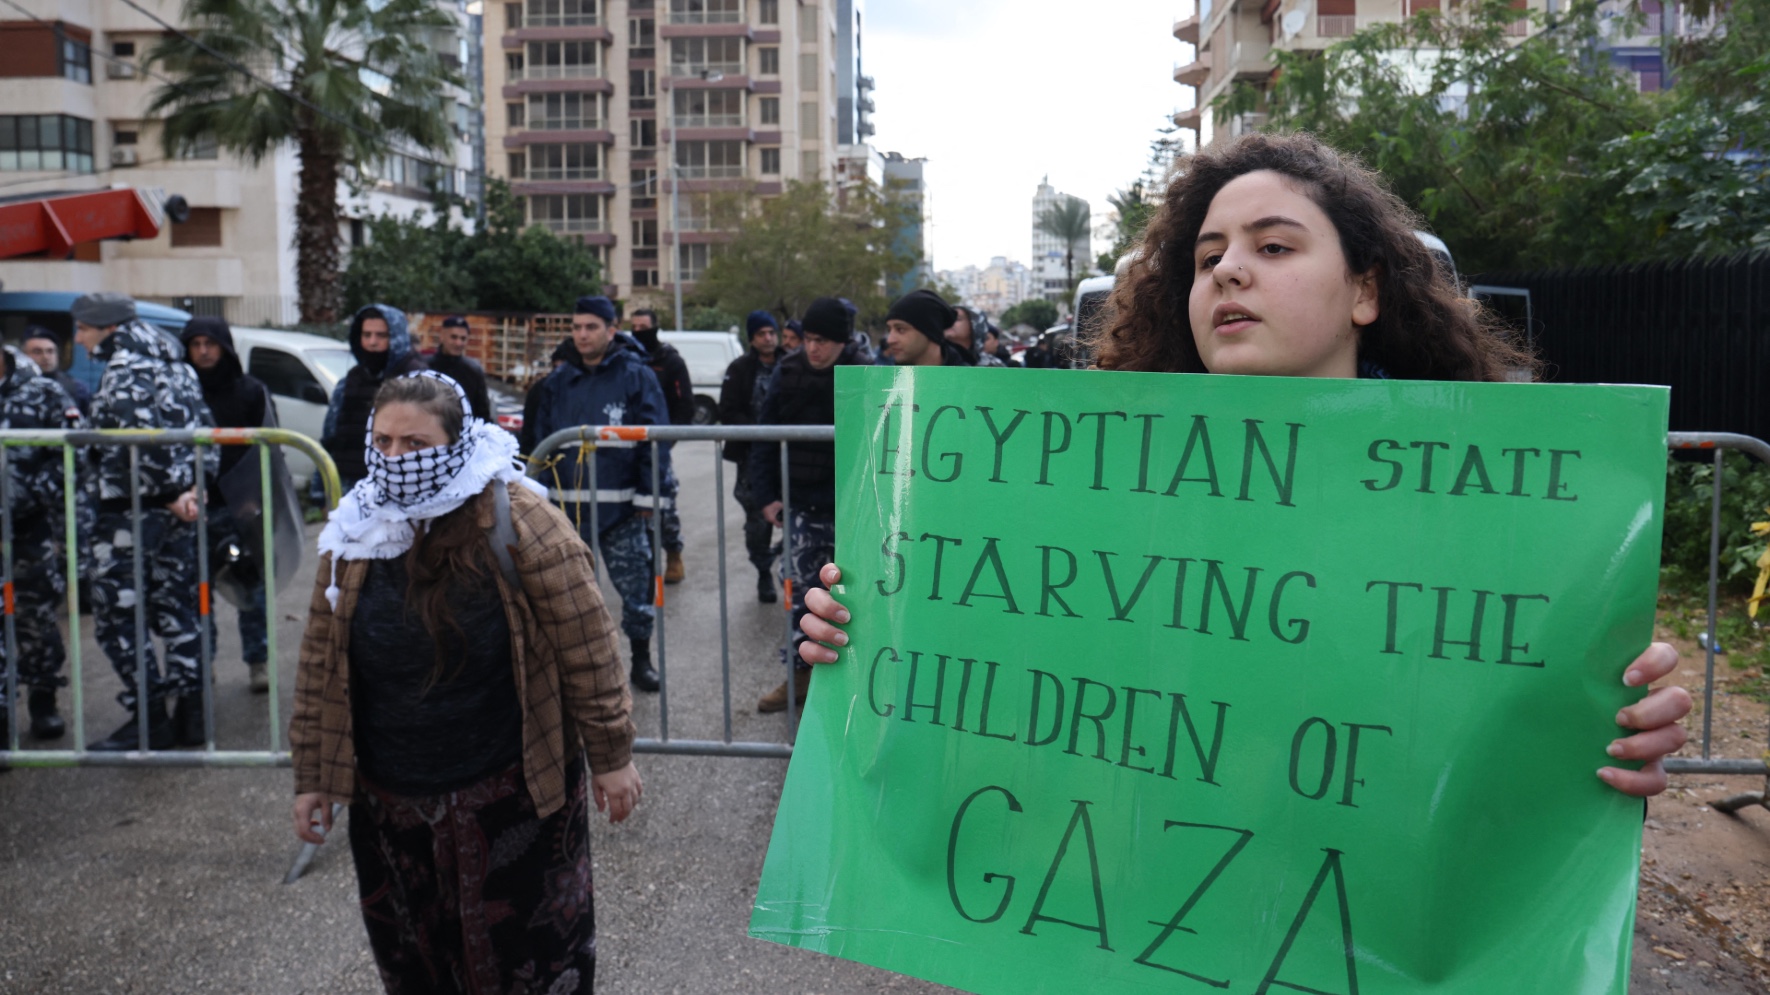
pixel 54 225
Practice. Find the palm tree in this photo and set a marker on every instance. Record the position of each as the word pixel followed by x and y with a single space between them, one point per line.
pixel 347 81
pixel 1067 219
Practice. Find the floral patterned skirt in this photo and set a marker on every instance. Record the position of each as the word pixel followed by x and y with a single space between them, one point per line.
pixel 469 892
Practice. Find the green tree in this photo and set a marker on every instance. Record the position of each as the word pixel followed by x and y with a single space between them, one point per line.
pixel 805 244
pixel 1536 153
pixel 1067 220
pixel 347 81
pixel 432 264
pixel 1037 312
pixel 1131 211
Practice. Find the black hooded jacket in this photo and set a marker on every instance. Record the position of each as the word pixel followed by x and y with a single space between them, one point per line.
pixel 799 394
pixel 470 375
pixel 347 419
pixel 236 399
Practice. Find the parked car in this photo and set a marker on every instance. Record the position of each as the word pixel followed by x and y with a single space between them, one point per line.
pixel 300 369
pixel 707 355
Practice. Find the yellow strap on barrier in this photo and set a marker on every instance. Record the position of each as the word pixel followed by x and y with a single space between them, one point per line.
pixel 1751 606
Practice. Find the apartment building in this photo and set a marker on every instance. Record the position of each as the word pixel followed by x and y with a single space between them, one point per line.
pixel 73 118
pixel 1050 273
pixel 995 288
pixel 1233 40
pixel 598 110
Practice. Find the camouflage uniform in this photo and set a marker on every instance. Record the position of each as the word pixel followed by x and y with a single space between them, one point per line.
pixel 626 552
pixel 31 400
pixel 147 384
pixel 814 544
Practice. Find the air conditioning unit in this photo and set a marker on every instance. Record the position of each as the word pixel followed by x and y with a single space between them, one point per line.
pixel 118 69
pixel 124 155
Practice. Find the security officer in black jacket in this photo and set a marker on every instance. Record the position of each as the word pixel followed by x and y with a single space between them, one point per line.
pixel 802 391
pixel 737 406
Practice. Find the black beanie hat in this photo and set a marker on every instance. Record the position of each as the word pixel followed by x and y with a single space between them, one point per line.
pixel 826 318
pixel 924 311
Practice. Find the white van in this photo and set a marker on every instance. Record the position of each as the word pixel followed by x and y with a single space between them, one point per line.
pixel 707 354
pixel 301 370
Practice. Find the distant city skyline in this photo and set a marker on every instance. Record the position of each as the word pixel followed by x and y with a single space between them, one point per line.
pixel 1093 87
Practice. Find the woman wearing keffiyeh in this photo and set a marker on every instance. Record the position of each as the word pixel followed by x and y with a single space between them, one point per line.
pixel 454 710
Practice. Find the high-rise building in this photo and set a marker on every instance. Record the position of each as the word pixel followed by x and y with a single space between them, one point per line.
pixel 1049 263
pixel 74 118
pixel 590 101
pixel 905 178
pixel 992 289
pixel 1227 41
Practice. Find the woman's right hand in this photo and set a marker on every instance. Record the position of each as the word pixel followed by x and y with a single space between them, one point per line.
pixel 311 808
pixel 823 614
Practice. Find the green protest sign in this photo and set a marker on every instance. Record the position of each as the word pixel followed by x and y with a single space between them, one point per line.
pixel 1191 683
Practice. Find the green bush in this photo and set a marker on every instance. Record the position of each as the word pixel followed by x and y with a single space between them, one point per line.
pixel 1745 496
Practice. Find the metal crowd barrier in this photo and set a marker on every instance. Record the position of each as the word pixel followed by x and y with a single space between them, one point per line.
pixel 587 439
pixel 68 441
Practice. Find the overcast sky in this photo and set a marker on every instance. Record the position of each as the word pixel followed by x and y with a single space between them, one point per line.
pixel 999 93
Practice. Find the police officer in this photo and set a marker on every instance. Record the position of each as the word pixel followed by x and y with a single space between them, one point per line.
pixel 146 384
pixel 738 397
pixel 42 346
pixel 30 399
pixel 606 381
pixel 802 391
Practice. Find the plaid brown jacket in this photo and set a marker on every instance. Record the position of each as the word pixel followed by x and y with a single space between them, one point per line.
pixel 566 662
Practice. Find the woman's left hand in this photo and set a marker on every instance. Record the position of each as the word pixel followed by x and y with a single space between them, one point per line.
pixel 1655 718
pixel 618 791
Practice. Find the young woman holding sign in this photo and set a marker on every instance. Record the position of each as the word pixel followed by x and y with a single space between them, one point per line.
pixel 1286 259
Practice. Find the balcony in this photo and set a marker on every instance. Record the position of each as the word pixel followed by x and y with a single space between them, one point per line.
pixel 1194 73
pixel 705 70
pixel 700 12
pixel 1191 118
pixel 533 73
pixel 707 121
pixel 1186 29
pixel 572 20
pixel 731 172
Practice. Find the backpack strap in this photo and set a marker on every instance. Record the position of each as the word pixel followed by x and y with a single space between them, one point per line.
pixel 503 534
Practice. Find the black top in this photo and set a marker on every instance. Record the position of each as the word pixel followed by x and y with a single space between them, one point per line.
pixel 472 378
pixel 418 740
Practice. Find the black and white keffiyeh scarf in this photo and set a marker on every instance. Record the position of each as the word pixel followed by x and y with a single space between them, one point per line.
pixel 376 520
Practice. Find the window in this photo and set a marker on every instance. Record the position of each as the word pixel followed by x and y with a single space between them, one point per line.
pixel 768 11
pixel 810 168
pixel 30 142
pixel 200 148
pixel 567 213
pixel 771 162
pixel 808 72
pixel 645 277
pixel 559 13
pixel 576 161
pixel 201 230
pixel 284 374
pixel 73 57
pixel 123 49
pixel 808 119
pixel 694 56
pixel 513 115
pixel 709 108
pixel 706 11
pixel 359 234
pixel 512 16
pixel 564 111
pixel 770 110
pixel 808 23
pixel 768 59
pixel 642 38
pixel 642 89
pixel 125 137
pixel 694 212
pixel 644 133
pixel 418 175
pixel 691 261
pixel 714 160
pixel 562 60
pixel 645 188
pixel 513 65
pixel 518 164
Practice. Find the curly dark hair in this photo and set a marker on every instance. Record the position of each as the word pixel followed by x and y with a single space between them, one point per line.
pixel 1425 329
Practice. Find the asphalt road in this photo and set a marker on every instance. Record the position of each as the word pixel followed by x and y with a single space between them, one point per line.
pixel 165 881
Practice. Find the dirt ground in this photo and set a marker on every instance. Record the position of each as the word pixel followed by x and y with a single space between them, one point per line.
pixel 1703 926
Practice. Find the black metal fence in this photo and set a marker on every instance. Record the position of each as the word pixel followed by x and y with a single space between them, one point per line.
pixel 1702 326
